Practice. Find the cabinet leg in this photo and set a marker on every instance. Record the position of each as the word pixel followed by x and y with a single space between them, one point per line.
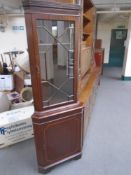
pixel 77 157
pixel 44 171
pixel 99 82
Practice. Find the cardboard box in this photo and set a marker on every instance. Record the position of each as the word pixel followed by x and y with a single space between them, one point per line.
pixel 6 82
pixel 16 126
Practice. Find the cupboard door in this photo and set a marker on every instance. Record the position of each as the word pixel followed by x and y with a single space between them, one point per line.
pixel 56 50
pixel 59 139
pixel 56 54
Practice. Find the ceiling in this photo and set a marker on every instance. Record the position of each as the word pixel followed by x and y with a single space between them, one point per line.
pixel 105 4
pixel 10 3
pixel 15 6
pixel 11 6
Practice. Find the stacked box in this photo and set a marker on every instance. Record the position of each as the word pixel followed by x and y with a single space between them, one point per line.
pixel 16 126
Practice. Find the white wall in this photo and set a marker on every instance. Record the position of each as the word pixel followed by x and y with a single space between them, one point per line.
pixel 13 40
pixel 105 25
pixel 127 59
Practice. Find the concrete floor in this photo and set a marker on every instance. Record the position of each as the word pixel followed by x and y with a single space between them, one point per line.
pixel 107 149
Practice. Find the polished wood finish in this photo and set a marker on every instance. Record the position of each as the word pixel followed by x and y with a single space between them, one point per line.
pixel 99 58
pixel 59 134
pixel 34 63
pixel 42 4
pixel 34 54
pixel 60 129
pixel 99 54
pixel 98 44
pixel 89 25
pixel 87 96
pixel 87 45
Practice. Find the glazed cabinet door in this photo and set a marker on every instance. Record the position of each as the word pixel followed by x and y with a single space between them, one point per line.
pixel 55 60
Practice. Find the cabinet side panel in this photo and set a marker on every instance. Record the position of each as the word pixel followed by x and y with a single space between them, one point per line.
pixel 34 62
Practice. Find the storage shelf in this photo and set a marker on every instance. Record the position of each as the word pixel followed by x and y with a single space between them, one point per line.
pixel 86 17
pixel 85 20
pixel 85 36
pixel 87 5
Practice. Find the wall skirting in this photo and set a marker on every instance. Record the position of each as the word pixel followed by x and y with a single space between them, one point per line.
pixel 109 65
pixel 126 78
pixel 106 64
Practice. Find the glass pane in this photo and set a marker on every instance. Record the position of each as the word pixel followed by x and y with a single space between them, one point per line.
pixel 56 50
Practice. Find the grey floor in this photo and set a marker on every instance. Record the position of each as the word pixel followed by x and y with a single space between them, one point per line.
pixel 107 149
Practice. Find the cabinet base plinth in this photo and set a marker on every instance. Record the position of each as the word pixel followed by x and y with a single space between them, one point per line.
pixel 46 170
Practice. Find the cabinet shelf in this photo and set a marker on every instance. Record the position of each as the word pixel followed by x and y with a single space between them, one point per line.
pixel 87 5
pixel 85 36
pixel 85 20
pixel 86 17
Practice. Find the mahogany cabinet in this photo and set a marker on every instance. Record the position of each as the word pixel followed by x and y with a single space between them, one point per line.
pixel 99 58
pixel 99 54
pixel 64 79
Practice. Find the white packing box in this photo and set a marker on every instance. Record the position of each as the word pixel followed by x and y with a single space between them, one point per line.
pixel 6 82
pixel 16 126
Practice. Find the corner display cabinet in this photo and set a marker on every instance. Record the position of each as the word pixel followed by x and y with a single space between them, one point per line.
pixel 64 76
